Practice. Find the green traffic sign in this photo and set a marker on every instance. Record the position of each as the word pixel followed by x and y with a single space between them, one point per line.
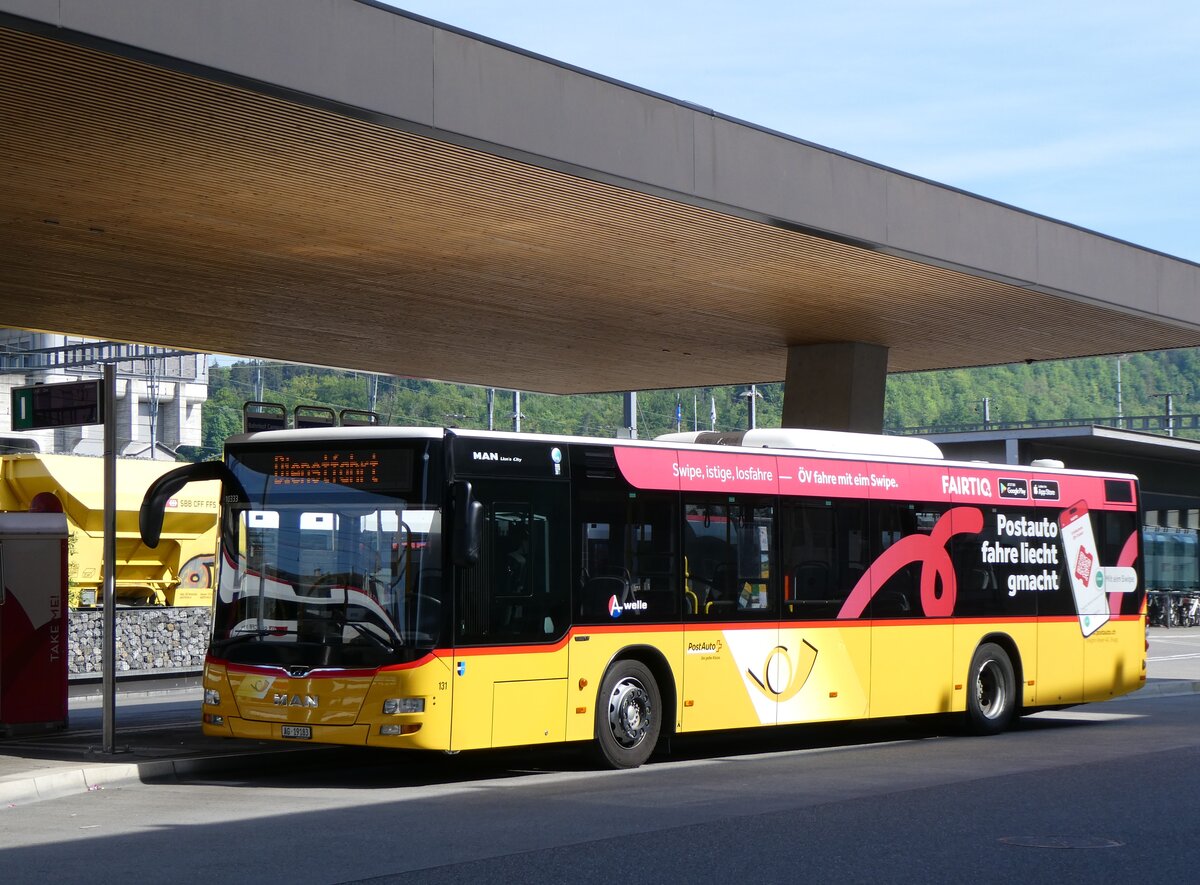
pixel 45 406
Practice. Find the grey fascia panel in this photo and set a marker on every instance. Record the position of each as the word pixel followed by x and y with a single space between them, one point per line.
pixel 341 51
pixel 491 94
pixel 924 219
pixel 1111 272
pixel 38 10
pixel 1179 290
pixel 788 180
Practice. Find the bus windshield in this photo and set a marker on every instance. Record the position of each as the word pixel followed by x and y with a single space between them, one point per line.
pixel 329 559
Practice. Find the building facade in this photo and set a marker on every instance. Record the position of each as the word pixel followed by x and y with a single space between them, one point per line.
pixel 159 399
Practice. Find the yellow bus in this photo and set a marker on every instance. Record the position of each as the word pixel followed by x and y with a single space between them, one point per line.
pixel 453 590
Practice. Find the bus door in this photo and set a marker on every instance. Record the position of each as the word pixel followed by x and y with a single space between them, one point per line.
pixel 1115 648
pixel 1059 674
pixel 822 667
pixel 1113 652
pixel 912 648
pixel 732 668
pixel 511 617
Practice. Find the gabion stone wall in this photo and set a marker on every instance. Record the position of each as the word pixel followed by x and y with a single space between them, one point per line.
pixel 159 640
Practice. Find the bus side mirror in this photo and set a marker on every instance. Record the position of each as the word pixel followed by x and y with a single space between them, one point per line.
pixel 468 526
pixel 150 517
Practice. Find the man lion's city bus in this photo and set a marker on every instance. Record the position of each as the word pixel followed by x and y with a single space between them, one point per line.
pixel 453 590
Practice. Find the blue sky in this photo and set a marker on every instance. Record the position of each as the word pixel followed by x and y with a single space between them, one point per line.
pixel 1085 112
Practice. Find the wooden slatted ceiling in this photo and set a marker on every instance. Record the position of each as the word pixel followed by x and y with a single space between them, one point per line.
pixel 148 205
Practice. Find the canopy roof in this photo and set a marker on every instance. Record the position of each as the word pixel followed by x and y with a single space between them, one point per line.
pixel 346 185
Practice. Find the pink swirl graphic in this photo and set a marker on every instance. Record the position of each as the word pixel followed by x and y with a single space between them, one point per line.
pixel 936 567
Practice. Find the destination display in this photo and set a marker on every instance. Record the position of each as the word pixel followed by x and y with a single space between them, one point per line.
pixel 325 470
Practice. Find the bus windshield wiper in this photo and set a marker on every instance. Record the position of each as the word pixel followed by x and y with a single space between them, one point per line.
pixel 364 630
pixel 251 634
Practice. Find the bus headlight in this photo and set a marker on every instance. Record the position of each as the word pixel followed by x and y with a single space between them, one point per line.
pixel 403 705
pixel 396 730
pixel 212 697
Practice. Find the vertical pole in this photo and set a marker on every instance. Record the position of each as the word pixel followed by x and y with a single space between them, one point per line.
pixel 1120 415
pixel 491 401
pixel 152 375
pixel 751 406
pixel 516 411
pixel 109 641
pixel 1170 414
pixel 629 414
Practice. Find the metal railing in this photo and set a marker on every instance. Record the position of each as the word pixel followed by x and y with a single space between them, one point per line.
pixel 1160 424
pixel 88 357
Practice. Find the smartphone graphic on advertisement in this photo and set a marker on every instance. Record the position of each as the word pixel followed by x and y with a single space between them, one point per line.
pixel 1083 567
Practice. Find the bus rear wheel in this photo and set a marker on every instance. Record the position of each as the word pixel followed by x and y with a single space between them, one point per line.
pixel 991 690
pixel 628 715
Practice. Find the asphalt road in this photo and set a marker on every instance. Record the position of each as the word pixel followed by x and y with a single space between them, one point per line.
pixel 1093 794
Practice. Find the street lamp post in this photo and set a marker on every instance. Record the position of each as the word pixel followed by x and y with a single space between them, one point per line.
pixel 1169 417
pixel 751 396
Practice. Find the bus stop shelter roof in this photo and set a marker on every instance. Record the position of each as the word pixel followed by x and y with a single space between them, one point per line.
pixel 338 183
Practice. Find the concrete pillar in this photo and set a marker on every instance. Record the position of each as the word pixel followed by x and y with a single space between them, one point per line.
pixel 628 416
pixel 127 415
pixel 835 387
pixel 172 413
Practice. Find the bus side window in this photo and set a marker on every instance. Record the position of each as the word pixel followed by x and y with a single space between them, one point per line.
pixel 815 582
pixel 983 563
pixel 900 595
pixel 519 590
pixel 627 555
pixel 729 559
pixel 1114 531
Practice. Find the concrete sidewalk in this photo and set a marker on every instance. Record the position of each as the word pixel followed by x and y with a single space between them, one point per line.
pixel 157 735
pixel 157 732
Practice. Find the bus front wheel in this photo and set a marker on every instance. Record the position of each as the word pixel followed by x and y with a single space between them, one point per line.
pixel 991 690
pixel 628 715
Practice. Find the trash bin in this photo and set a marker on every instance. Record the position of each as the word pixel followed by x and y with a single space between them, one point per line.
pixel 33 622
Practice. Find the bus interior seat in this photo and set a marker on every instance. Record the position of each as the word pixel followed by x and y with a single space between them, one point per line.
pixel 597 592
pixel 720 607
pixel 811 580
pixel 719 591
pixel 980 578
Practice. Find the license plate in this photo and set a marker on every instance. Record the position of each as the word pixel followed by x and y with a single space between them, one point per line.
pixel 303 732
